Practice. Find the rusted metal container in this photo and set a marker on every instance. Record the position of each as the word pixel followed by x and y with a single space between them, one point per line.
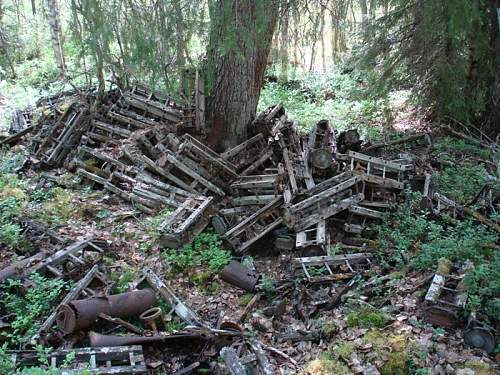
pixel 237 274
pixel 81 314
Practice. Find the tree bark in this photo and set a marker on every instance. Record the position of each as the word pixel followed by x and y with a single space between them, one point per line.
pixel 364 15
pixel 56 35
pixel 284 46
pixel 240 41
pixel 322 36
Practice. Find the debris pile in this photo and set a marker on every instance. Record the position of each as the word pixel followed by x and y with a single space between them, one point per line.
pixel 278 193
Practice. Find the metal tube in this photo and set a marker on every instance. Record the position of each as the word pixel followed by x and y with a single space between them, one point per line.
pixel 81 314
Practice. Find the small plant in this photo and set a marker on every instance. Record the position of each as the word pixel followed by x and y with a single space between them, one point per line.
pixel 122 279
pixel 204 251
pixel 328 329
pixel 28 308
pixel 460 183
pixel 174 325
pixel 267 285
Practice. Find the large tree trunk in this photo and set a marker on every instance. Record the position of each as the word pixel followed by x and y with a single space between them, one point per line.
pixel 240 40
pixel 56 35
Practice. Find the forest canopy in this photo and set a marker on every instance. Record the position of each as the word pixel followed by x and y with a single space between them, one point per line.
pixel 445 52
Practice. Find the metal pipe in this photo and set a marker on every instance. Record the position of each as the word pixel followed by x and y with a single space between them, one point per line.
pixel 81 314
pixel 97 340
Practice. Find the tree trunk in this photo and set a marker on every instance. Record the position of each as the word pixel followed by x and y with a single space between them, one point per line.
pixel 315 39
pixel 180 39
pixel 284 46
pixel 364 15
pixel 240 41
pixel 371 12
pixel 491 117
pixel 322 36
pixel 56 35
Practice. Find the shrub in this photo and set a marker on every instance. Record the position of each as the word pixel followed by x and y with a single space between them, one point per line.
pixel 28 308
pixel 205 250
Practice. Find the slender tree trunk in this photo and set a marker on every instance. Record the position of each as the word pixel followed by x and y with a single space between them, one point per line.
pixel 56 35
pixel 334 36
pixel 322 40
pixel 295 35
pixel 364 15
pixel 179 35
pixel 284 46
pixel 240 40
pixel 315 40
pixel 371 11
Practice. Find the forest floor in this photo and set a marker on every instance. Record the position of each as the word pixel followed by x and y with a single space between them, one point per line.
pixel 378 329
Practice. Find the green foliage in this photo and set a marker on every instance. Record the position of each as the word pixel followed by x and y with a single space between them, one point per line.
pixel 459 147
pixel 37 300
pixel 205 250
pixel 6 365
pixel 59 207
pixel 336 97
pixel 174 325
pixel 10 161
pixel 266 283
pixel 408 236
pixel 366 319
pixel 12 201
pixel 397 364
pixel 439 56
pixel 460 183
pixel 122 278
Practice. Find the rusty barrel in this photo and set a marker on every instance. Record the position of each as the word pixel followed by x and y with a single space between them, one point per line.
pixel 237 274
pixel 81 314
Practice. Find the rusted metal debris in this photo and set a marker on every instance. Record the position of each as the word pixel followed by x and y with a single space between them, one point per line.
pixel 303 194
pixel 237 274
pixel 81 314
pixel 446 296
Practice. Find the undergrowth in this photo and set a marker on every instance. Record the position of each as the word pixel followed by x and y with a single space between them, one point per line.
pixel 311 97
pixel 28 305
pixel 206 250
pixel 461 182
pixel 12 201
pixel 409 237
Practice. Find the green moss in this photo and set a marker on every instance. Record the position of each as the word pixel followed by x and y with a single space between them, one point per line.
pixel 367 319
pixel 397 364
pixel 480 368
pixel 344 350
pixel 245 299
pixel 328 329
pixel 60 208
pixel 325 365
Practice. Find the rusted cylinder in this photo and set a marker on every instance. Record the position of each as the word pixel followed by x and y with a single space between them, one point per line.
pixel 149 318
pixel 237 274
pixel 98 341
pixel 81 314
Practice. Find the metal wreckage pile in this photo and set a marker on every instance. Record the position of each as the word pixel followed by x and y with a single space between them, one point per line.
pixel 305 194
